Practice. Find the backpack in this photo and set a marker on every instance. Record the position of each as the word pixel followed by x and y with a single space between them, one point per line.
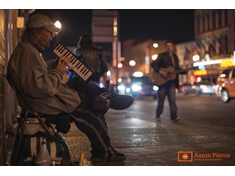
pixel 93 58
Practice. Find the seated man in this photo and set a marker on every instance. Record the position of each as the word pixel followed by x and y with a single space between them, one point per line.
pixel 49 96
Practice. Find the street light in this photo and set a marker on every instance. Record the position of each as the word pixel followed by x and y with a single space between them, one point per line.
pixel 155 45
pixel 58 25
pixel 119 65
pixel 132 63
pixel 196 58
pixel 154 57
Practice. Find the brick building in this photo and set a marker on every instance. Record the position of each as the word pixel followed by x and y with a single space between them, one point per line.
pixel 215 38
pixel 213 44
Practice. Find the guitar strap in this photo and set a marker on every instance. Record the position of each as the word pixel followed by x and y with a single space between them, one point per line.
pixel 173 61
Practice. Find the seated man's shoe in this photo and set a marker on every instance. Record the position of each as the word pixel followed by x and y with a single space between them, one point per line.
pixel 95 159
pixel 117 157
pixel 117 102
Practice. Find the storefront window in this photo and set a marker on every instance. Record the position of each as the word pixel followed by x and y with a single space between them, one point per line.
pixel 233 75
pixel 225 74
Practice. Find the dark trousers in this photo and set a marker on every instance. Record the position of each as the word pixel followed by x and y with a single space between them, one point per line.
pixel 90 121
pixel 167 89
pixel 95 128
pixel 90 89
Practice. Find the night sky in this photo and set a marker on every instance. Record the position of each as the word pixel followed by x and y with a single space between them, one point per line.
pixel 156 24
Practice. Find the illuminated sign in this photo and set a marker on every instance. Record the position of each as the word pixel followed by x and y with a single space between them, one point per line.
pixel 200 72
pixel 226 63
pixel 223 62
pixel 201 67
pixel 207 62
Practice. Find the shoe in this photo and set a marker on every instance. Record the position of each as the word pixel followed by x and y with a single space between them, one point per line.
pixel 94 159
pixel 116 157
pixel 176 120
pixel 158 119
pixel 117 102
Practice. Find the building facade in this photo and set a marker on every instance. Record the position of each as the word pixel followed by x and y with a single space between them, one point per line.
pixel 185 52
pixel 143 53
pixel 7 98
pixel 214 35
pixel 212 49
pixel 11 22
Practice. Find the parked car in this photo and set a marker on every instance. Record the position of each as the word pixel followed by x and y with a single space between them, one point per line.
pixel 198 88
pixel 139 87
pixel 205 87
pixel 226 84
pixel 187 88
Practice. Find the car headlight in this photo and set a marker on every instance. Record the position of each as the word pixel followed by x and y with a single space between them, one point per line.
pixel 136 87
pixel 215 87
pixel 128 90
pixel 155 88
pixel 203 86
pixel 121 87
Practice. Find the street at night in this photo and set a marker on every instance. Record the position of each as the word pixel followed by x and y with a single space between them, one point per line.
pixel 205 133
pixel 146 53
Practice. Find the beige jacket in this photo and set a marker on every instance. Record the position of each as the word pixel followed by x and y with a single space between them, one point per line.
pixel 41 85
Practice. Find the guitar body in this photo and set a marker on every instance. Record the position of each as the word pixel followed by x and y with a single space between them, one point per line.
pixel 159 79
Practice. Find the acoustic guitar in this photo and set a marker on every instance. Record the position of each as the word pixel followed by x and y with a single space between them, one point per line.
pixel 159 79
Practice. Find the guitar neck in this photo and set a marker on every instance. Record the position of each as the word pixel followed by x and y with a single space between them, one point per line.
pixel 179 71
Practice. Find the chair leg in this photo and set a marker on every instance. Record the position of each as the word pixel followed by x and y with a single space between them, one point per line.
pixel 48 133
pixel 18 140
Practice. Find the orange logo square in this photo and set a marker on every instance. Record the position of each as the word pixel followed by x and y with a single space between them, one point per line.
pixel 185 156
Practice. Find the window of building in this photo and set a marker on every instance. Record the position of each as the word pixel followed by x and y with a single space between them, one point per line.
pixel 233 75
pixel 226 43
pixel 213 20
pixel 234 21
pixel 220 18
pixel 198 25
pixel 208 22
pixel 226 17
pixel 225 73
pixel 203 24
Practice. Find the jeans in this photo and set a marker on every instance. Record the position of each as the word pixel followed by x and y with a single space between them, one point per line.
pixel 167 89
